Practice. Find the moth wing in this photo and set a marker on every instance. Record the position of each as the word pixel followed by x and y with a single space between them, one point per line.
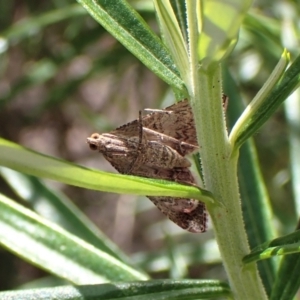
pixel 119 163
pixel 189 214
pixel 176 121
pixel 132 129
pixel 128 130
pixel 181 147
pixel 193 221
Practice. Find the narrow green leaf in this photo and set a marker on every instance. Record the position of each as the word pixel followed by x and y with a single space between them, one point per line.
pixel 33 25
pixel 267 100
pixel 257 211
pixel 265 35
pixel 292 110
pixel 195 85
pixel 57 208
pixel 287 282
pixel 30 162
pixel 271 251
pixel 287 244
pixel 149 290
pixel 173 36
pixel 128 27
pixel 51 248
pixel 179 9
pixel 221 21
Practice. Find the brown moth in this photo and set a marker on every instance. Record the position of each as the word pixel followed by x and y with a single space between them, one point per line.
pixel 154 146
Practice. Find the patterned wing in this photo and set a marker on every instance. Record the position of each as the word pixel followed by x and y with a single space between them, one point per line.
pixel 193 221
pixel 175 121
pixel 189 214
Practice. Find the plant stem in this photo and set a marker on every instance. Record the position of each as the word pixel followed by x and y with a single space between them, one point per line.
pixel 219 167
pixel 220 176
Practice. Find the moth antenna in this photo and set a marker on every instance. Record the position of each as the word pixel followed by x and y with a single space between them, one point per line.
pixel 140 130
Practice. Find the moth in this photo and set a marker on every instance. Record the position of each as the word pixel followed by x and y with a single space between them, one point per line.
pixel 155 146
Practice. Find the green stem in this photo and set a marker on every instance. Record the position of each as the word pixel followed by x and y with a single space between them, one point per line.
pixel 220 169
pixel 220 176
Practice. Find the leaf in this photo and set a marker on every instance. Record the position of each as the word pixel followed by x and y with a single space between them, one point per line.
pixel 221 21
pixel 53 249
pixel 179 9
pixel 173 36
pixel 257 211
pixel 33 25
pixel 287 244
pixel 287 282
pixel 57 208
pixel 128 27
pixel 30 162
pixel 266 101
pixel 292 111
pixel 155 289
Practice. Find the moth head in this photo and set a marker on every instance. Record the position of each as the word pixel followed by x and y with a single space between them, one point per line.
pixel 93 141
pixel 107 143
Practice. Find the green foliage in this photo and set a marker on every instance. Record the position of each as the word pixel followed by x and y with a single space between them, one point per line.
pixel 64 75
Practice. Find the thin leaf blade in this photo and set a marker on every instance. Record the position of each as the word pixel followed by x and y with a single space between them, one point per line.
pixel 51 248
pixel 221 21
pixel 155 289
pixel 57 208
pixel 30 162
pixel 127 26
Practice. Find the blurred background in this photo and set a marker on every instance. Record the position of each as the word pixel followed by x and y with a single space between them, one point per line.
pixel 64 77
